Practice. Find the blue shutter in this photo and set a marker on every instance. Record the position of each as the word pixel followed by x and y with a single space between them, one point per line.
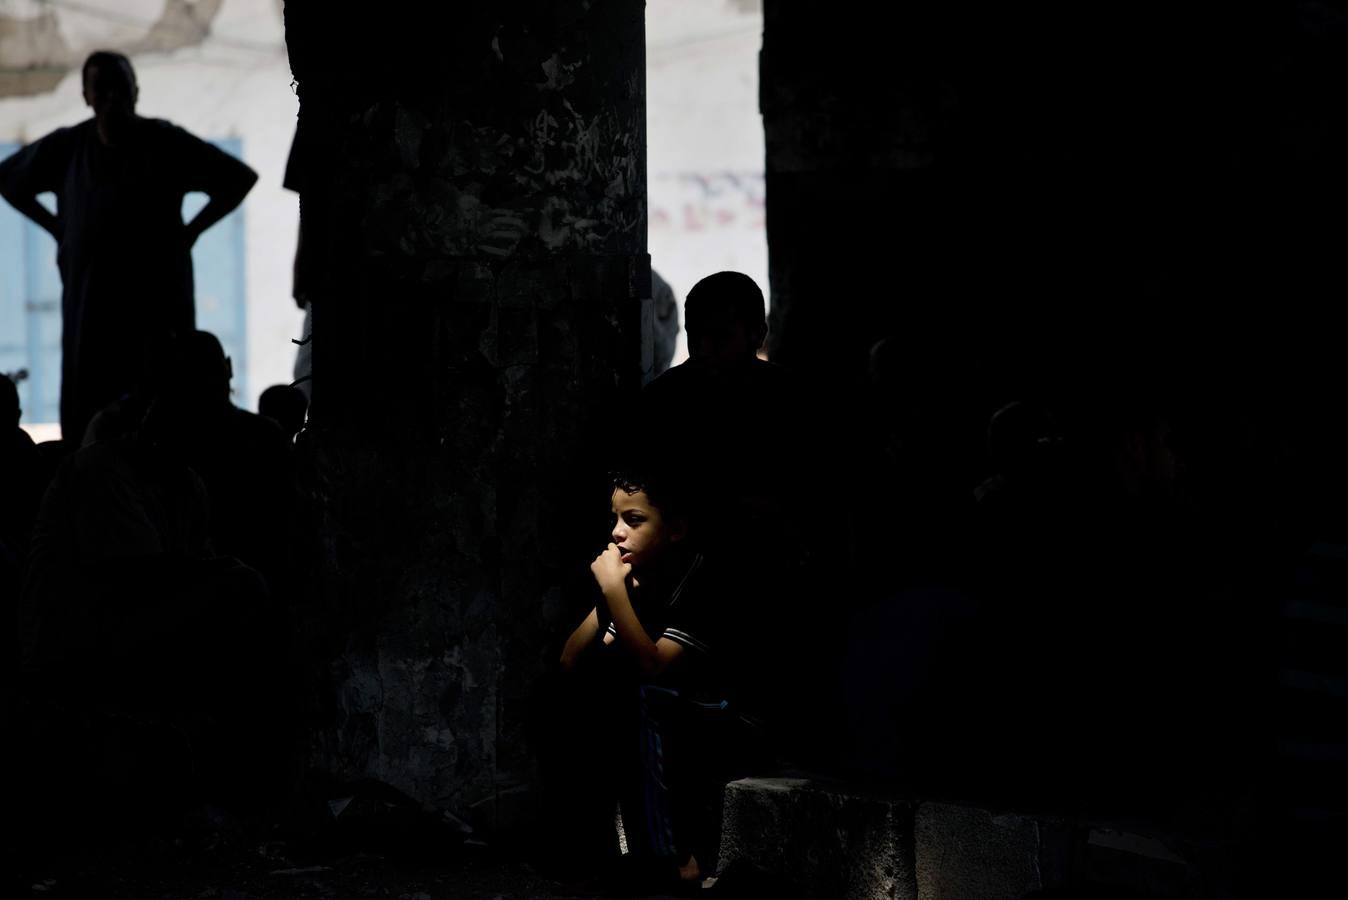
pixel 13 290
pixel 43 308
pixel 30 309
pixel 218 263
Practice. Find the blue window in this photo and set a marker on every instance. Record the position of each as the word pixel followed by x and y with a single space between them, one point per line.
pixel 30 297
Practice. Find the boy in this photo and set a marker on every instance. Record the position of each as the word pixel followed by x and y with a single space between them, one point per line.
pixel 656 636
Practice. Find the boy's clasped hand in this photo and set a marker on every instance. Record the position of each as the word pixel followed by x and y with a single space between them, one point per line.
pixel 609 570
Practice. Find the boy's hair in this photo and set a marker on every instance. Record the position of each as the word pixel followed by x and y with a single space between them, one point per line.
pixel 662 489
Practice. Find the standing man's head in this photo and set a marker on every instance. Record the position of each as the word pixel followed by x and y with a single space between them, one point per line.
pixel 110 88
pixel 725 317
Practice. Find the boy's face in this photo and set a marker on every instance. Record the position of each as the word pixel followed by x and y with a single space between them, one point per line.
pixel 640 531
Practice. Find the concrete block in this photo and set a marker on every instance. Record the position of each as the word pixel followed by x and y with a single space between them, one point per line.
pixel 965 853
pixel 828 841
pixel 1144 864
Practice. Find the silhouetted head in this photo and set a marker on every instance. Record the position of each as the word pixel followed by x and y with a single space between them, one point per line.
pixel 110 87
pixel 10 411
pixel 119 419
pixel 1021 439
pixel 285 405
pixel 884 363
pixel 649 516
pixel 725 317
pixel 199 369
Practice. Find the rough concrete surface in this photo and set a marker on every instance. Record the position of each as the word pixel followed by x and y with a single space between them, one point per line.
pixel 964 853
pixel 978 854
pixel 826 840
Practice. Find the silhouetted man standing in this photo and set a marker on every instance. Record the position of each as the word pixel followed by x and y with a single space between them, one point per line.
pixel 124 250
pixel 744 436
pixel 726 418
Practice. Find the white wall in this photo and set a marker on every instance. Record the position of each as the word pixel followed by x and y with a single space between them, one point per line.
pixel 234 84
pixel 705 153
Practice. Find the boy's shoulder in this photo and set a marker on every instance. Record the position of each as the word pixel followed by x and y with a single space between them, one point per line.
pixel 714 590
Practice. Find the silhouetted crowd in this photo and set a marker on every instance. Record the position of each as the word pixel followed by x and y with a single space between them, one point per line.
pixel 148 569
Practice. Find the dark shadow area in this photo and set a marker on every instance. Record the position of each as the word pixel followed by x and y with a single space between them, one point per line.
pixel 1037 504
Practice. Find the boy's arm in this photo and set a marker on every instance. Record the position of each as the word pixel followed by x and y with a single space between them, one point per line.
pixel 652 657
pixel 581 638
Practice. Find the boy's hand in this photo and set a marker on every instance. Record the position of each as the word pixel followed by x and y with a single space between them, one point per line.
pixel 610 570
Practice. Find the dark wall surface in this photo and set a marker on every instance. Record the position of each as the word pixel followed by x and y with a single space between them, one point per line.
pixel 1069 178
pixel 473 209
pixel 1122 216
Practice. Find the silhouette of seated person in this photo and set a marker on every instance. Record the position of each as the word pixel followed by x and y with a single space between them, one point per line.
pixel 941 640
pixel 912 668
pixel 1097 597
pixel 124 249
pixel 1021 513
pixel 241 457
pixel 1160 633
pixel 20 490
pixel 1023 445
pixel 666 333
pixel 1307 802
pixel 925 448
pixel 125 415
pixel 286 406
pixel 648 710
pixel 18 474
pixel 144 657
pixel 120 518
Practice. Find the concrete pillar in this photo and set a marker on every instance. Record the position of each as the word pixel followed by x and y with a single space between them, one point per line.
pixel 475 221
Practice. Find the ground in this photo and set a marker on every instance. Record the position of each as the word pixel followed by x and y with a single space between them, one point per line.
pixel 215 869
